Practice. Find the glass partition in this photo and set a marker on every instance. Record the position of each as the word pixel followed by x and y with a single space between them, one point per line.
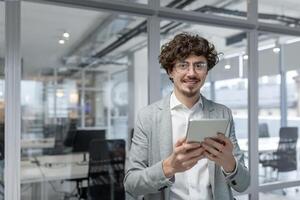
pixel 234 9
pixel 279 12
pixel 285 193
pixel 74 98
pixel 2 96
pixel 278 101
pixel 130 1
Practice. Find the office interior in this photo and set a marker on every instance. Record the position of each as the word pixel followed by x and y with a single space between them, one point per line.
pixel 82 69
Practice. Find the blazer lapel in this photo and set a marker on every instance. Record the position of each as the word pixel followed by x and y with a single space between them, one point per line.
pixel 165 132
pixel 207 114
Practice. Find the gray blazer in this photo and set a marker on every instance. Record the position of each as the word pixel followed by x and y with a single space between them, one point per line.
pixel 152 143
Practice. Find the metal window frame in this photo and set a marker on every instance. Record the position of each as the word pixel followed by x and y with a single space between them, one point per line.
pixel 154 14
pixel 12 168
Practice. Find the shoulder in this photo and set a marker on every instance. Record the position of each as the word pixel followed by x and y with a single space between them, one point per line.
pixel 155 107
pixel 215 106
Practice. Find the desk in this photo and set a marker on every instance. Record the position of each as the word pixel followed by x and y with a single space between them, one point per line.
pixel 39 170
pixel 268 144
pixel 63 167
pixel 30 172
pixel 37 143
pixel 53 168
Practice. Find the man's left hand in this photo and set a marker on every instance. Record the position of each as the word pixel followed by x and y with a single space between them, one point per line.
pixel 219 149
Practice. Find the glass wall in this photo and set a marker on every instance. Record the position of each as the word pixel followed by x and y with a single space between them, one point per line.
pixel 2 96
pixel 234 9
pixel 285 193
pixel 79 69
pixel 74 99
pixel 278 114
pixel 279 12
pixel 130 1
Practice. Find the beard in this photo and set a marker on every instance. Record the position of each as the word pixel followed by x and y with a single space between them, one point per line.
pixel 191 93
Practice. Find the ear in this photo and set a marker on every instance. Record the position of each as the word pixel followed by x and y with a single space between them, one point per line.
pixel 170 72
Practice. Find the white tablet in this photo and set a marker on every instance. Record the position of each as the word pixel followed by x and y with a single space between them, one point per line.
pixel 199 129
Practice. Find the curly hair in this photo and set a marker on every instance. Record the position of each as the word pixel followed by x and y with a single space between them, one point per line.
pixel 182 46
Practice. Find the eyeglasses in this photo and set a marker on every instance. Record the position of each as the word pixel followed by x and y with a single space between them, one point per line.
pixel 183 67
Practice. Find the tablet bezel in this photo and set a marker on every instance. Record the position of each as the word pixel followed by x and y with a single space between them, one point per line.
pixel 198 130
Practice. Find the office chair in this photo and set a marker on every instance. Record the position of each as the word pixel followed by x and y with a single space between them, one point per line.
pixel 284 159
pixel 263 130
pixel 106 170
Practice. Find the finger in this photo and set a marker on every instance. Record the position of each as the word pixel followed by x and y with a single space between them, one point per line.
pixel 210 156
pixel 222 137
pixel 184 147
pixel 192 162
pixel 195 153
pixel 186 154
pixel 190 146
pixel 213 143
pixel 211 150
pixel 179 149
pixel 180 141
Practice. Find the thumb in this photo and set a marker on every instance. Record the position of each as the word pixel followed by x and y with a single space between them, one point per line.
pixel 180 141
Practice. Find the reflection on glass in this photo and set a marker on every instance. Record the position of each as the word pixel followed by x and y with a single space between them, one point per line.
pixel 286 193
pixel 278 160
pixel 95 109
pixel 131 1
pixel 72 93
pixel 236 9
pixel 279 12
pixel 2 97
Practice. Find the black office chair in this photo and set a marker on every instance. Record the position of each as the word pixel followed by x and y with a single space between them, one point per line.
pixel 263 130
pixel 106 170
pixel 284 159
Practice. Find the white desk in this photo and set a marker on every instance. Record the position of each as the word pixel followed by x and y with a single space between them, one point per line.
pixel 52 168
pixel 37 143
pixel 30 172
pixel 268 144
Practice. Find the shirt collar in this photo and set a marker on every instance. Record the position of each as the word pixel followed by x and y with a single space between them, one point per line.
pixel 174 102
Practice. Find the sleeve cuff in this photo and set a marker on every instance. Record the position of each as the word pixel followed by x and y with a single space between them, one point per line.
pixel 230 173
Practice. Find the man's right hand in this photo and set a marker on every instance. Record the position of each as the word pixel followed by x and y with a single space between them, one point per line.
pixel 184 157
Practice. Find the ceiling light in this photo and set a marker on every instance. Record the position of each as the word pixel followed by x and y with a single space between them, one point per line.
pixel 293 40
pixel 66 35
pixel 227 66
pixel 276 49
pixel 59 93
pixel 292 25
pixel 269 46
pixel 245 57
pixel 61 41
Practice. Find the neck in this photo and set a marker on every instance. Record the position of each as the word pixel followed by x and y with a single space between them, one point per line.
pixel 187 101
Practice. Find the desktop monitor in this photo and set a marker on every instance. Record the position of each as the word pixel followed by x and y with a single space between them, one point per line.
pixel 83 137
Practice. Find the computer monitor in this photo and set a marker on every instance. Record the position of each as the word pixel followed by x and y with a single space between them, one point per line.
pixel 83 138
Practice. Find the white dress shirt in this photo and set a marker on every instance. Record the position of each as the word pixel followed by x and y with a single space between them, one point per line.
pixel 192 184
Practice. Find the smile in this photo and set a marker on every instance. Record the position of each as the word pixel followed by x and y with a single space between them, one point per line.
pixel 191 82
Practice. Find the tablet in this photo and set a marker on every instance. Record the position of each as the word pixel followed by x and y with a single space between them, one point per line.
pixel 198 130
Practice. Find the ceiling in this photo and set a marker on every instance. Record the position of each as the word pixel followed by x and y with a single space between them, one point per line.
pixel 93 31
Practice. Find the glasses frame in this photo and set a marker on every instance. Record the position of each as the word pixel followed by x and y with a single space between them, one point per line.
pixel 184 67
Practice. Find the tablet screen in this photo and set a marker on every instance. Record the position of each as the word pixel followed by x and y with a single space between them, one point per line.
pixel 199 129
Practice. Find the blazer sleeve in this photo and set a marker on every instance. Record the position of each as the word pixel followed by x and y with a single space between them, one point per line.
pixel 140 178
pixel 240 180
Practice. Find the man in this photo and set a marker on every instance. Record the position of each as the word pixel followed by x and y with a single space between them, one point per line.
pixel 162 165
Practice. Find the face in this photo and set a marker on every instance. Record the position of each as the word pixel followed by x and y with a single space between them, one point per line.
pixel 188 76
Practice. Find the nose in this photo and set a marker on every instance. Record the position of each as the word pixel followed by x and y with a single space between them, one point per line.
pixel 191 71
